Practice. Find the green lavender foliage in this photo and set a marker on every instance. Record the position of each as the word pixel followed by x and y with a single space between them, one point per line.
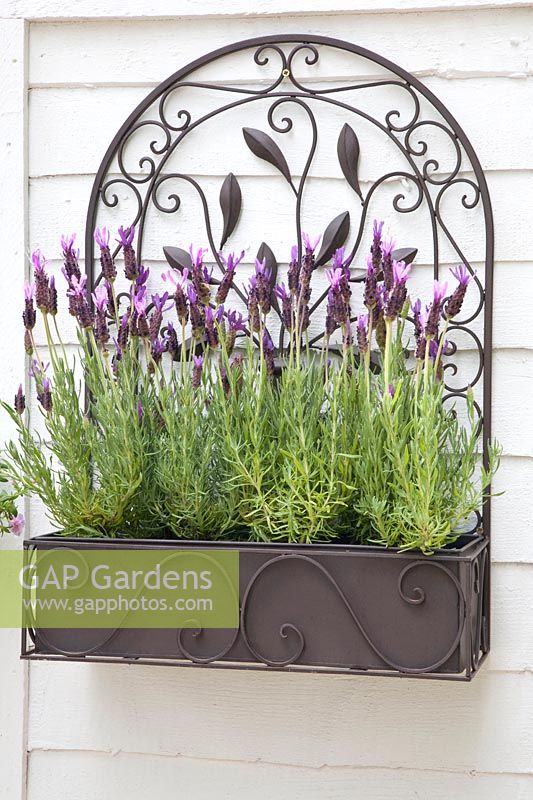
pixel 193 496
pixel 283 447
pixel 91 469
pixel 417 467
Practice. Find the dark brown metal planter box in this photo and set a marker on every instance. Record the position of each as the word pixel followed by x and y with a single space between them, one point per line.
pixel 321 608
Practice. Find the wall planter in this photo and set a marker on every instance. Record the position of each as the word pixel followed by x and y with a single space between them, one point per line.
pixel 352 609
pixel 332 608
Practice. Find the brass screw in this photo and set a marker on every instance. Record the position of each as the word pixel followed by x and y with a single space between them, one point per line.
pixel 285 72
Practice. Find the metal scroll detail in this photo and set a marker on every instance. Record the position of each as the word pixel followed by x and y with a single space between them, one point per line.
pixel 288 628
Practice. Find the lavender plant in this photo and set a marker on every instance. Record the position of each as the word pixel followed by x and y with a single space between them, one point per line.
pixel 189 421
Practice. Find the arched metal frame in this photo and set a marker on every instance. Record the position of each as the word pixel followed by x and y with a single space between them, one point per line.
pixel 423 169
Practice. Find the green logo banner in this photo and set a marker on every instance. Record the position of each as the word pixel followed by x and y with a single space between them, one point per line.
pixel 120 588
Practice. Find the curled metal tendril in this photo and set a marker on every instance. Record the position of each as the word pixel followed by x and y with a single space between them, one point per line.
pixel 432 165
pixel 145 160
pixel 452 367
pixel 113 201
pixel 397 128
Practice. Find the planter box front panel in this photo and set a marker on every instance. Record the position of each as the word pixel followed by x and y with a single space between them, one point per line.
pixel 317 607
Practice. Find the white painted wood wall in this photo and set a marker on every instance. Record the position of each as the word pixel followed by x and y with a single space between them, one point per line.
pixel 98 732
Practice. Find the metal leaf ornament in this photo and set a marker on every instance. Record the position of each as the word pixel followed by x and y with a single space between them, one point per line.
pixel 348 153
pixel 177 258
pixel 264 147
pixel 334 237
pixel 230 203
pixel 405 254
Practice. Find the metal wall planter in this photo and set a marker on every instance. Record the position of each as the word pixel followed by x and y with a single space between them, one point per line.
pixel 342 609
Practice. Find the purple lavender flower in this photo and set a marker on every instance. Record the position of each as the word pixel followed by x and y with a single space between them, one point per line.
pixel 29 316
pixel 283 294
pixel 225 284
pixel 371 286
pixel 123 332
pixel 236 324
pixel 268 352
pixel 253 305
pixel 71 268
pixel 101 301
pixel 142 277
pixel 386 263
pixel 42 291
pixel 139 305
pixel 37 370
pixel 293 274
pixel 52 297
pixel 455 303
pixel 126 236
pixel 310 246
pixel 157 348
pixel 391 390
pixel 197 314
pixel 432 324
pixel 200 279
pixel 109 271
pixel 20 401
pixel 156 318
pixel 375 250
pixel 171 341
pixel 263 276
pixel 28 343
pixel 198 363
pixel 338 311
pixel 45 395
pixel 362 333
pixel 80 305
pixel 16 524
pixel 211 332
pixel 140 410
pixel 398 294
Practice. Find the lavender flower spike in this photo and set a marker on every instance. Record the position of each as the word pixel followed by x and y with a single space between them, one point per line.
pixel 225 284
pixel 125 239
pixel 371 286
pixel 398 294
pixel 29 316
pixel 101 237
pixel 45 395
pixel 20 401
pixel 268 352
pixel 432 324
pixel 42 291
pixel 455 303
pixel 198 363
pixel 362 333
pixel 101 300
pixel 71 268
